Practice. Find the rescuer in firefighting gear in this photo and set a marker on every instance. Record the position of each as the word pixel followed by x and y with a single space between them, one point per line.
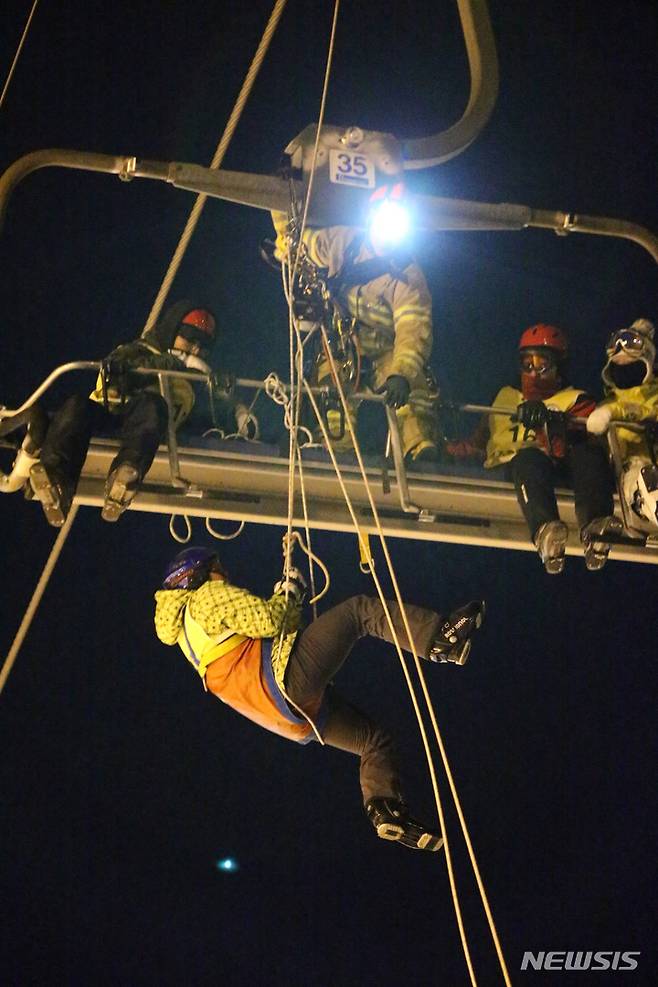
pixel 539 446
pixel 632 395
pixel 386 293
pixel 251 654
pixel 181 340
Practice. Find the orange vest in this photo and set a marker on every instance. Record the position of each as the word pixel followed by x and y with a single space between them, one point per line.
pixel 244 680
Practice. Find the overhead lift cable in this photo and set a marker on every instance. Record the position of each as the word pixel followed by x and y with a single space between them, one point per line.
pixel 159 301
pixel 18 53
pixel 36 596
pixel 218 157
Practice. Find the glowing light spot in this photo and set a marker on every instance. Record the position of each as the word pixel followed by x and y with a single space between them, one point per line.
pixel 228 864
pixel 390 223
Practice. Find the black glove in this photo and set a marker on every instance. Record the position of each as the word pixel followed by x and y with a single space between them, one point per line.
pixel 532 414
pixel 223 384
pixel 396 390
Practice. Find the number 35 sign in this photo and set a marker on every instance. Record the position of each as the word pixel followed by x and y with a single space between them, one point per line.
pixel 350 168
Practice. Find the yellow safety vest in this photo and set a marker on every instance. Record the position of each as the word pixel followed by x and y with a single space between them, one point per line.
pixel 507 437
pixel 200 648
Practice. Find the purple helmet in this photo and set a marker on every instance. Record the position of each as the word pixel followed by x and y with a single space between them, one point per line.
pixel 190 568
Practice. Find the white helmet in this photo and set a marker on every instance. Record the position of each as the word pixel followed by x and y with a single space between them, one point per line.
pixel 629 346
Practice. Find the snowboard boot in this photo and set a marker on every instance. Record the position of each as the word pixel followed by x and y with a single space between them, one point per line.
pixel 391 819
pixel 551 541
pixel 121 486
pixel 454 641
pixel 593 537
pixel 53 491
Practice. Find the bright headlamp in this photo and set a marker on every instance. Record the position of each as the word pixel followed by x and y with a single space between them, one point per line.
pixel 389 223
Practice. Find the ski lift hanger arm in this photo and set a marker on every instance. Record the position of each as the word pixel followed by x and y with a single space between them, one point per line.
pixel 268 192
pixel 425 152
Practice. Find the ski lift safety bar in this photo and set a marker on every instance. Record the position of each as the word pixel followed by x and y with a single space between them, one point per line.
pixel 460 509
pixel 268 192
pixel 194 377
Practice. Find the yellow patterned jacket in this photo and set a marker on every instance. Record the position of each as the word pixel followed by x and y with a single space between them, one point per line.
pixel 394 313
pixel 217 606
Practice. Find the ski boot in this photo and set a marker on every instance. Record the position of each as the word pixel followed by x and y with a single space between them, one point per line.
pixel 53 491
pixel 454 641
pixel 121 486
pixel 647 488
pixel 551 541
pixel 391 819
pixel 595 547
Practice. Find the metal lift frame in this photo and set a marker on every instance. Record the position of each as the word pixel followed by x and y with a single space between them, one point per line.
pixel 248 481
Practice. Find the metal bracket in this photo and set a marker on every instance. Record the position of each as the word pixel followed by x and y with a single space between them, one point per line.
pixel 172 446
pixel 128 169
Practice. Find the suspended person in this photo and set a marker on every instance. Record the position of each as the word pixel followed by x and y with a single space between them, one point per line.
pixel 632 395
pixel 130 403
pixel 378 283
pixel 252 654
pixel 540 446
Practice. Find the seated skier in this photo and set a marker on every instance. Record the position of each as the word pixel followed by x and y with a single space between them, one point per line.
pixel 251 653
pixel 632 395
pixel 540 446
pixel 131 403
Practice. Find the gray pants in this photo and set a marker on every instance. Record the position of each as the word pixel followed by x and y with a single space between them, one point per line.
pixel 318 655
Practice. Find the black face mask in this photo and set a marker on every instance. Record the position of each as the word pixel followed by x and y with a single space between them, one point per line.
pixel 624 375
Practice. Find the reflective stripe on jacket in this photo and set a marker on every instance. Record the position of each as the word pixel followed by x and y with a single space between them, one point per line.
pixel 202 649
pixel 394 313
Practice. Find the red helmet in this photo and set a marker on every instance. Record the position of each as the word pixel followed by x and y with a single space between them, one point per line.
pixel 547 336
pixel 202 320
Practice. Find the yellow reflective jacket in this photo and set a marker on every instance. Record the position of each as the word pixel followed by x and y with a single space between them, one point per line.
pixel 633 404
pixel 393 313
pixel 229 637
pixel 218 608
pixel 507 437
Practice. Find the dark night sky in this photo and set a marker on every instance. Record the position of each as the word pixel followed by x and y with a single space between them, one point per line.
pixel 122 782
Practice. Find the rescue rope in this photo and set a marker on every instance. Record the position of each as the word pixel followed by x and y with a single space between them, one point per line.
pixel 428 702
pixel 318 561
pixel 209 528
pixel 221 537
pixel 18 53
pixel 217 159
pixel 293 418
pixel 297 378
pixel 323 102
pixel 28 616
pixel 405 670
pixel 172 529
